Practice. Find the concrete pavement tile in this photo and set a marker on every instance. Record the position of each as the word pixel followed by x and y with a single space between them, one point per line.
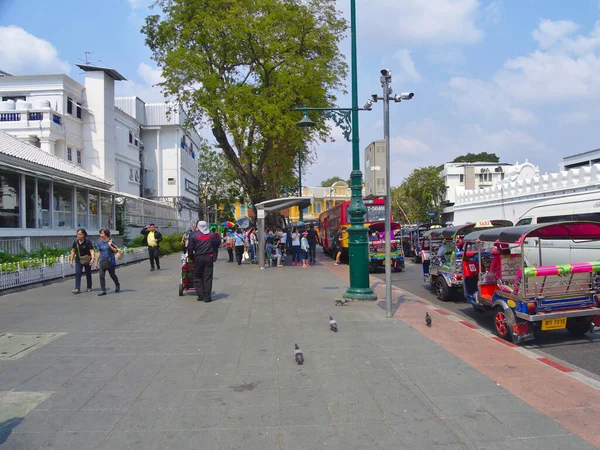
pixel 359 412
pixel 369 436
pixel 206 380
pixel 260 380
pixel 425 433
pixel 531 424
pixel 199 418
pixel 440 389
pixel 139 419
pixel 301 395
pixel 482 427
pixel 220 363
pixel 205 399
pixel 255 438
pixel 557 443
pixel 502 404
pixel 183 377
pixel 408 409
pixel 512 444
pixel 297 378
pixel 93 420
pixel 345 394
pixel 309 437
pixel 253 417
pixel 112 399
pixel 254 397
pixel 423 374
pixel 157 398
pixel 456 406
pixel 75 441
pixel 134 440
pixel 312 414
pixel 23 441
pixel 192 440
pixel 184 363
pixel 42 421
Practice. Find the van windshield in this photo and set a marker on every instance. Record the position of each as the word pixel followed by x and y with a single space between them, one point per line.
pixel 526 221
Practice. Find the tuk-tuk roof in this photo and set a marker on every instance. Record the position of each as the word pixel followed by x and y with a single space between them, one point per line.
pixel 451 232
pixel 380 226
pixel 580 230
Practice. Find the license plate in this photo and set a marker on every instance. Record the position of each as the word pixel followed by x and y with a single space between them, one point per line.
pixel 554 324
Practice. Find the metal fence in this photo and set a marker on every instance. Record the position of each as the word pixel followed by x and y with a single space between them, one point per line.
pixel 25 273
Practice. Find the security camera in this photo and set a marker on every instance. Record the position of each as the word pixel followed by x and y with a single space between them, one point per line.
pixel 386 73
pixel 374 98
pixel 406 95
pixel 368 105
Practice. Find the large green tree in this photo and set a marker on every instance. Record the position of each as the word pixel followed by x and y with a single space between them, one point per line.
pixel 420 193
pixel 329 181
pixel 241 67
pixel 477 157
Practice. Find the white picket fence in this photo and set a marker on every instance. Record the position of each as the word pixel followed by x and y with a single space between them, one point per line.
pixel 22 276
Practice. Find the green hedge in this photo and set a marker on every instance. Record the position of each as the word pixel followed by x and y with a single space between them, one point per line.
pixel 171 243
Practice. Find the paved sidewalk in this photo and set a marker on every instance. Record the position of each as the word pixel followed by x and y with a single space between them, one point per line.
pixel 147 369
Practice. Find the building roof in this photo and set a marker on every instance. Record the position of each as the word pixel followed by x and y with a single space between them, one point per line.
pixel 110 72
pixel 15 148
pixel 581 154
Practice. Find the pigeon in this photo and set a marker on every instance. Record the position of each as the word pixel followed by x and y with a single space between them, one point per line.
pixel 341 302
pixel 427 319
pixel 298 355
pixel 332 324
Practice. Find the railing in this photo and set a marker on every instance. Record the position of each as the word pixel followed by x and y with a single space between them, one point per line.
pixel 35 271
pixel 10 117
pixel 36 116
pixel 11 246
pixel 56 119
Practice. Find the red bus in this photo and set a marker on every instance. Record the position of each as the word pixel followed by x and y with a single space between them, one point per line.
pixel 334 218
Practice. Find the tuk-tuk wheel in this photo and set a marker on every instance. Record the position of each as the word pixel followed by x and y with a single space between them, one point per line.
pixel 579 325
pixel 442 290
pixel 504 319
pixel 180 290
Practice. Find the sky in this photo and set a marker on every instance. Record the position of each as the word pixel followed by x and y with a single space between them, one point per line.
pixel 519 78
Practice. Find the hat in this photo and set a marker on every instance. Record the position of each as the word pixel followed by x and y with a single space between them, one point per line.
pixel 305 233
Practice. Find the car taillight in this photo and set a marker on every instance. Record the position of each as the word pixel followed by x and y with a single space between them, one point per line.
pixel 521 328
pixel 458 276
pixel 530 307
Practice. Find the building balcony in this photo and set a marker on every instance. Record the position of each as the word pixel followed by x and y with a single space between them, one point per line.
pixel 27 120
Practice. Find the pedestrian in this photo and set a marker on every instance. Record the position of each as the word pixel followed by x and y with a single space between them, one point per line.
pixel 82 253
pixel 339 239
pixel 230 245
pixel 239 245
pixel 106 262
pixel 217 241
pixel 295 246
pixel 253 246
pixel 273 251
pixel 283 241
pixel 305 248
pixel 313 238
pixel 186 235
pixel 203 248
pixel 152 240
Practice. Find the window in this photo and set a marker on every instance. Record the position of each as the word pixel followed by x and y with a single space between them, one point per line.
pixel 526 221
pixel 137 176
pixel 318 208
pixel 106 209
pixel 10 184
pixel 78 110
pixel 79 157
pixel 170 180
pixel 131 174
pixel 93 212
pixel 69 105
pixel 14 98
pixel 136 143
pixel 461 178
pixel 130 137
pixel 485 176
pixel 69 154
pixel 81 209
pixel 242 210
pixel 63 206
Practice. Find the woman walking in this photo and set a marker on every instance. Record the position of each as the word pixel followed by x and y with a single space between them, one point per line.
pixel 295 246
pixel 106 261
pixel 229 244
pixel 82 254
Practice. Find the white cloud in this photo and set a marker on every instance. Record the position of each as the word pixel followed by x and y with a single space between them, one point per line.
pixel 407 147
pixel 149 75
pixel 438 22
pixel 22 53
pixel 146 90
pixel 407 73
pixel 574 117
pixel 493 11
pixel 549 32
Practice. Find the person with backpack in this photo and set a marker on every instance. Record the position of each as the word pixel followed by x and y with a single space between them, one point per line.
pixel 217 241
pixel 202 246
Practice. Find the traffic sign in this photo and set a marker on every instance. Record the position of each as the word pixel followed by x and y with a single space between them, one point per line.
pixel 431 214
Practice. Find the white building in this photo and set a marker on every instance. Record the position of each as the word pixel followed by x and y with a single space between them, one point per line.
pixel 133 146
pixel 523 188
pixel 461 177
pixel 585 159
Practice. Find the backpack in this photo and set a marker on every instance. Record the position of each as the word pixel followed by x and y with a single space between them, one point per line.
pixel 217 239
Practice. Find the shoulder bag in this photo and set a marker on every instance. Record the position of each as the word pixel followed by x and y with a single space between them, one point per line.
pixel 85 259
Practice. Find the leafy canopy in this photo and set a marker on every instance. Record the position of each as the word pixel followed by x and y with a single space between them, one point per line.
pixel 421 192
pixel 241 67
pixel 329 181
pixel 477 157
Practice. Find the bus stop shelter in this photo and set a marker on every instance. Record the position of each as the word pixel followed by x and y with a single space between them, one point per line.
pixel 271 206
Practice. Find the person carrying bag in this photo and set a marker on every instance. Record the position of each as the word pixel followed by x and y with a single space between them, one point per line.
pixel 82 254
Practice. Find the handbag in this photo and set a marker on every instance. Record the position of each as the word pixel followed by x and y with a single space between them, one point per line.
pixel 246 255
pixel 85 259
pixel 119 255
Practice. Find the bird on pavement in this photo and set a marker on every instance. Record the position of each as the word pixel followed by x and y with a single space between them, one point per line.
pixel 341 302
pixel 427 319
pixel 333 324
pixel 298 355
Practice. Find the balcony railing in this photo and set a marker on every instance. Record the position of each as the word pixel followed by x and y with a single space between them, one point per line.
pixel 36 116
pixel 10 117
pixel 24 116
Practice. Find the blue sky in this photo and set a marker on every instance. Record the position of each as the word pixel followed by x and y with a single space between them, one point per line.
pixel 519 78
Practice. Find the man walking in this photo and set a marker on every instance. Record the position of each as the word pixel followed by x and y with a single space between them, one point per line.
pixel 312 237
pixel 152 240
pixel 202 246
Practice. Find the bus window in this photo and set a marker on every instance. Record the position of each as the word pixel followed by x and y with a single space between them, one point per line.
pixel 594 217
pixel 550 219
pixel 526 221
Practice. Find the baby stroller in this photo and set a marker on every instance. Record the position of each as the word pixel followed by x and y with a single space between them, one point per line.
pixel 187 275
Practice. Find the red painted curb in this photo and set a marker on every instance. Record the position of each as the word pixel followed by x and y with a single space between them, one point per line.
pixel 505 342
pixel 557 366
pixel 468 324
pixel 442 312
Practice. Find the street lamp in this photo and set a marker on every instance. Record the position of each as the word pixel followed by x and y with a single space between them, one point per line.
pixel 386 83
pixel 347 120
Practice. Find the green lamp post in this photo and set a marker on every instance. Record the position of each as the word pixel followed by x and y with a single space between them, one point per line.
pixel 347 120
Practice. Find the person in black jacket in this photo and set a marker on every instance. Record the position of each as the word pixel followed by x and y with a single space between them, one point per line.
pixel 312 237
pixel 202 246
pixel 152 240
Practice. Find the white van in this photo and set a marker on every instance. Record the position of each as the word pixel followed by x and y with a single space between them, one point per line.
pixel 580 207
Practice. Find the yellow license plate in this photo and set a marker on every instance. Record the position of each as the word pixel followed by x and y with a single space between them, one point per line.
pixel 554 324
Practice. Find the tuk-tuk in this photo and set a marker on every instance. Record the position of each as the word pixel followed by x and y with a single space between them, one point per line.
pixel 526 298
pixel 377 248
pixel 417 238
pixel 442 263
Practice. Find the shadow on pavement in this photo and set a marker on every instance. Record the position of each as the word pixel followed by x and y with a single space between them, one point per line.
pixel 7 426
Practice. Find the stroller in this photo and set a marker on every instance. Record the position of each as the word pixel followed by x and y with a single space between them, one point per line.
pixel 187 275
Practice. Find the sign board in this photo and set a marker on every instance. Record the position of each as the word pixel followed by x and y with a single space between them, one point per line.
pixel 260 213
pixel 431 214
pixel 483 224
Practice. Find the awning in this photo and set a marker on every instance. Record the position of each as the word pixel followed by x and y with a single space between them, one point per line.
pixel 277 204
